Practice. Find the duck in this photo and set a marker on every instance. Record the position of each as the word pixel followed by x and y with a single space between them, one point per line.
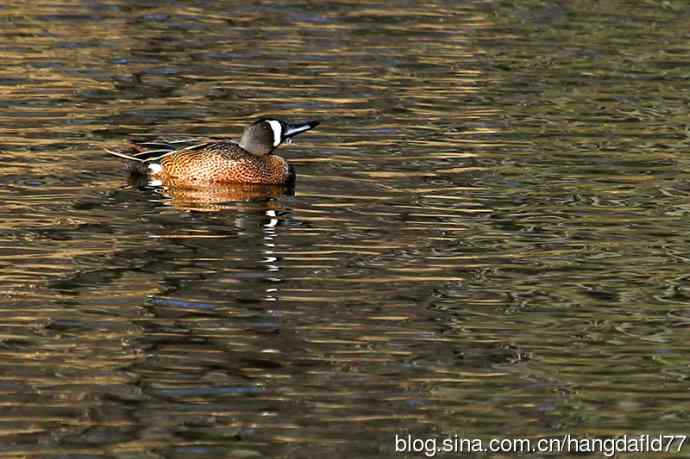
pixel 198 161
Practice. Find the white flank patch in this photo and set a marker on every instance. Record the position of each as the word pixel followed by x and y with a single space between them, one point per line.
pixel 155 168
pixel 277 131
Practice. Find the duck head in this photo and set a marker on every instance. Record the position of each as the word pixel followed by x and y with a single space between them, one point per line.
pixel 265 135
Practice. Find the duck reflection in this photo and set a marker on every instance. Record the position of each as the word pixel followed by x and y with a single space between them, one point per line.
pixel 210 198
pixel 256 216
pixel 229 265
pixel 222 249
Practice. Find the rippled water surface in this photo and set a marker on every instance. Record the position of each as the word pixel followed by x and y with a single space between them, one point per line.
pixel 488 236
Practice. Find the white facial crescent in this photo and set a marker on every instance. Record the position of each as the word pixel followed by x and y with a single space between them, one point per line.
pixel 277 131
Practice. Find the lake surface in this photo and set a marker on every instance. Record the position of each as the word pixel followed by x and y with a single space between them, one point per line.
pixel 488 237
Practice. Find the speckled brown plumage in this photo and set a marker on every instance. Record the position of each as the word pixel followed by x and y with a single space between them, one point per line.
pixel 223 162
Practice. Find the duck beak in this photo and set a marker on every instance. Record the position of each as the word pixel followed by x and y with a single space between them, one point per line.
pixel 297 128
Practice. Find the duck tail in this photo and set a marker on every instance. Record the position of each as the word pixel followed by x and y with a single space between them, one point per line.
pixel 137 168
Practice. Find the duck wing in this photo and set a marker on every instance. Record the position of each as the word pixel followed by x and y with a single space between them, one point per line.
pixel 155 150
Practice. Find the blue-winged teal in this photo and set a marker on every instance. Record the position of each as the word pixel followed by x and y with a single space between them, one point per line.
pixel 221 161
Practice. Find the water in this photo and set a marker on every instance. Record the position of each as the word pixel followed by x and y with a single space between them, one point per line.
pixel 488 236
